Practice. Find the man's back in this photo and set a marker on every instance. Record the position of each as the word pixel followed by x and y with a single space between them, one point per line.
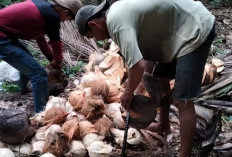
pixel 164 29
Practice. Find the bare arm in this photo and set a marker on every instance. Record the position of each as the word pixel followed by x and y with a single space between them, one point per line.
pixel 135 75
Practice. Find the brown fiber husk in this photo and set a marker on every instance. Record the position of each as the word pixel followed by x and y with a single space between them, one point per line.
pixel 103 126
pixel 100 88
pixel 85 128
pixel 55 115
pixel 93 108
pixel 72 129
pixel 57 144
pixel 76 99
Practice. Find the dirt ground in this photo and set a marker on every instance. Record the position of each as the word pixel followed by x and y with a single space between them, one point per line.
pixel 222 41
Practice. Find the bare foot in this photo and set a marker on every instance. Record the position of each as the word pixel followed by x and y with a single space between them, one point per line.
pixel 157 127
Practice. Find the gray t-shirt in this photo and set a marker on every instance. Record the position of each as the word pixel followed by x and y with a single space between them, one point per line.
pixel 158 30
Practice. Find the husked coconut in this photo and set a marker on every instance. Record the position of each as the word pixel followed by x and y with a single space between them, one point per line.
pixel 88 79
pixel 5 152
pixel 38 146
pixel 71 129
pixel 93 108
pixel 53 129
pixel 111 109
pixel 55 115
pixel 55 102
pixel 76 99
pixel 86 127
pixel 40 133
pixel 118 120
pixel 38 119
pixel 77 149
pixel 99 149
pixel 100 88
pixel 90 138
pixel 48 155
pixel 103 126
pixel 133 137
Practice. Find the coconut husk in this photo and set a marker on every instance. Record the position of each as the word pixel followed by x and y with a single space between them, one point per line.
pixel 210 73
pixel 76 99
pixel 86 127
pixel 57 144
pixel 114 94
pixel 103 126
pixel 55 115
pixel 93 108
pixel 72 129
pixel 100 88
pixel 141 90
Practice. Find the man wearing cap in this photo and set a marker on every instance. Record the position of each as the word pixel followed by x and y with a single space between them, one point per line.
pixel 32 19
pixel 176 34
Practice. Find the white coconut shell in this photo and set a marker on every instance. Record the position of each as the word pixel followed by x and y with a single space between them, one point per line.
pixel 40 134
pixel 38 146
pixel 39 118
pixel 53 129
pixel 88 79
pixel 77 149
pixel 48 155
pixel 118 120
pixel 134 137
pixel 90 138
pixel 111 109
pixel 99 149
pixel 55 102
pixel 5 152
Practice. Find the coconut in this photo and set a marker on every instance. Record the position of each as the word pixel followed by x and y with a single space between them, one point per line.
pixel 57 144
pixel 114 93
pixel 55 102
pixel 86 127
pixel 93 108
pixel 118 120
pixel 38 119
pixel 77 149
pixel 38 146
pixel 5 152
pixel 88 79
pixel 103 126
pixel 100 88
pixel 111 109
pixel 71 129
pixel 90 138
pixel 48 155
pixel 99 149
pixel 55 115
pixel 76 99
pixel 133 136
pixel 53 129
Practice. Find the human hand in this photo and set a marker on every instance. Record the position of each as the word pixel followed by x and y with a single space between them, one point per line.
pixel 126 99
pixel 55 65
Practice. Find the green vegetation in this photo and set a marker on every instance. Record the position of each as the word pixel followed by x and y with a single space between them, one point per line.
pixel 220 3
pixel 71 71
pixel 10 87
pixel 4 3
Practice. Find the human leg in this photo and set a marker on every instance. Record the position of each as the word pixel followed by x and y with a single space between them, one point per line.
pixel 16 56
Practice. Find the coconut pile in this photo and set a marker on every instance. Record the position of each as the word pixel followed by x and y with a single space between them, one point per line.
pixel 91 121
pixel 80 124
